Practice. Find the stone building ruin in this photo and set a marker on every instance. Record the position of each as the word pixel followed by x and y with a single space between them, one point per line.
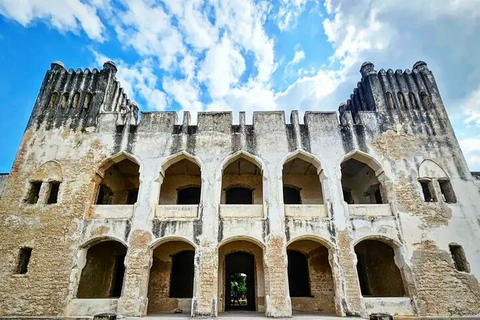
pixel 108 210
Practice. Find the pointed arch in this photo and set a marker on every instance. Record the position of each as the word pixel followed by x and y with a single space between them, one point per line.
pixel 242 169
pixel 366 158
pixel 48 171
pixel 242 154
pixel 305 156
pixel 177 157
pixel 430 169
pixel 122 184
pixel 181 180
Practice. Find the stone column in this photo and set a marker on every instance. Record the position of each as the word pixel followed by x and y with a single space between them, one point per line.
pixel 278 303
pixel 138 261
pixel 205 300
pixel 347 288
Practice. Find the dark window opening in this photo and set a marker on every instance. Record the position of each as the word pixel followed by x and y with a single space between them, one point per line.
pixel 239 195
pixel 33 192
pixel 119 273
pixel 413 100
pixel 132 196
pixel 64 100
pixel 53 99
pixel 298 277
pixel 427 189
pixel 401 100
pixel 88 100
pixel 447 191
pixel 76 98
pixel 24 260
pixel 105 195
pixel 378 196
pixel 426 102
pixel 181 280
pixel 53 196
pixel 291 195
pixel 459 258
pixel 190 195
pixel 390 102
pixel 347 196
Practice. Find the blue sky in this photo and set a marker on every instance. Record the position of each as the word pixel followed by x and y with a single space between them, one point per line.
pixel 240 54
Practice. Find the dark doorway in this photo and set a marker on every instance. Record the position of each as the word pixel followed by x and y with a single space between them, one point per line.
pixel 181 283
pixel 190 195
pixel 239 195
pixel 298 281
pixel 240 273
pixel 119 270
pixel 291 195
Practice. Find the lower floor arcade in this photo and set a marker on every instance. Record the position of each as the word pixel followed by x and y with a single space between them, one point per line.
pixel 244 280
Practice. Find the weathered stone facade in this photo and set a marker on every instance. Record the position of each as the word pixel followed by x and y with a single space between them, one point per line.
pixel 106 210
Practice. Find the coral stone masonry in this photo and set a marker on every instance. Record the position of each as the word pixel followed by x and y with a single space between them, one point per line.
pixel 369 211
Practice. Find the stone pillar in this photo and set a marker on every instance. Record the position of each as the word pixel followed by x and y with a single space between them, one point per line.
pixel 277 300
pixel 138 261
pixel 347 288
pixel 205 295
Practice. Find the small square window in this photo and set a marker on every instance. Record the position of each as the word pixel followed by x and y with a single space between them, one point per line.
pixel 23 260
pixel 447 191
pixel 33 192
pixel 53 194
pixel 458 255
pixel 428 192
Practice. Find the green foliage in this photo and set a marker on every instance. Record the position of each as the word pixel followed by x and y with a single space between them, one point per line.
pixel 239 280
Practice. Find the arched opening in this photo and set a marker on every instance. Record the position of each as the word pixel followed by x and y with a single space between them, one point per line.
pixel 102 276
pixel 360 184
pixel 432 178
pixel 378 274
pixel 241 277
pixel 170 287
pixel 310 277
pixel 181 184
pixel 301 183
pixel 242 182
pixel 120 183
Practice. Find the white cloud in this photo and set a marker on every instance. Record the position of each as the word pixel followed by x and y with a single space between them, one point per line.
pixel 471 151
pixel 138 80
pixel 472 106
pixel 288 13
pixel 299 56
pixel 64 15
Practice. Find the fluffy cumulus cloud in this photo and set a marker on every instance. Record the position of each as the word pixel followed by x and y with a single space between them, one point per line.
pixel 286 54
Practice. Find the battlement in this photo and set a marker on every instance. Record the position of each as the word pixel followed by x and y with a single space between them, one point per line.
pixel 387 91
pixel 80 98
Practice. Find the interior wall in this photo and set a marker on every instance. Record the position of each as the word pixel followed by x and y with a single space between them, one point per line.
pixel 249 247
pixel 168 189
pixel 160 274
pixel 320 278
pixel 119 183
pixel 254 181
pixel 360 183
pixel 377 271
pixel 97 278
pixel 311 189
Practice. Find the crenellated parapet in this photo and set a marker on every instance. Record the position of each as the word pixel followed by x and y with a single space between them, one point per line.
pixel 78 97
pixel 403 97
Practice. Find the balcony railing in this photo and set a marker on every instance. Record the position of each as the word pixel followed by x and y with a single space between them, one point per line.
pixel 395 305
pixel 176 211
pixel 112 211
pixel 94 306
pixel 306 211
pixel 241 210
pixel 369 210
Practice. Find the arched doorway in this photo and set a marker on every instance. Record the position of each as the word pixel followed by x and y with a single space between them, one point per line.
pixel 378 274
pixel 102 276
pixel 170 287
pixel 241 277
pixel 310 277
